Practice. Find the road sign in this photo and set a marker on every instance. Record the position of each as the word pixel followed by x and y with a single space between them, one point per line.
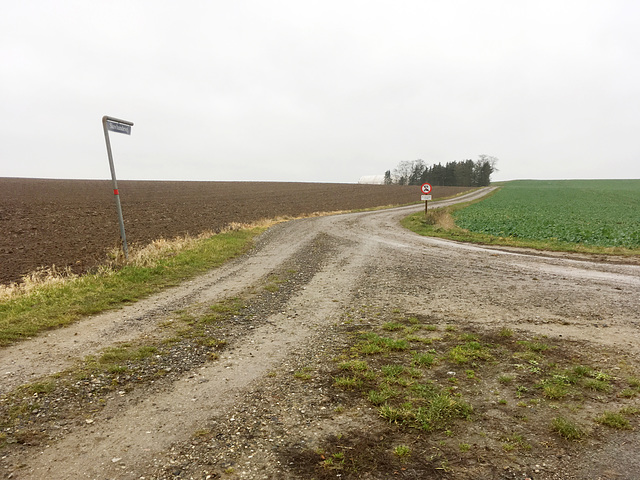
pixel 119 127
pixel 425 197
pixel 426 188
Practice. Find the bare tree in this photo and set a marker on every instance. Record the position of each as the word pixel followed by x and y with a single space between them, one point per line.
pixel 409 172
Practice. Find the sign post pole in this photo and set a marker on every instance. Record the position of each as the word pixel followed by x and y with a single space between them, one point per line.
pixel 120 126
pixel 425 188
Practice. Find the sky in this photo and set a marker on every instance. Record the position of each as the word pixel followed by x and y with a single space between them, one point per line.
pixel 319 91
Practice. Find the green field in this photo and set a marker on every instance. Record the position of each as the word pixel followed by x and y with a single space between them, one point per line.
pixel 600 213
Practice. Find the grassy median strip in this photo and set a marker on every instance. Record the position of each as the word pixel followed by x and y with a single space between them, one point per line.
pixel 31 414
pixel 48 306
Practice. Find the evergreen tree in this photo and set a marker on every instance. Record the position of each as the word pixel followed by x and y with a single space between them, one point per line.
pixel 466 173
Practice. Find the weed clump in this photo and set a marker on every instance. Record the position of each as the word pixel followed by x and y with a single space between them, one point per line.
pixel 614 420
pixel 373 343
pixel 440 218
pixel 567 429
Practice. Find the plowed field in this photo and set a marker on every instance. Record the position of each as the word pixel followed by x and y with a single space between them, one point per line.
pixel 73 222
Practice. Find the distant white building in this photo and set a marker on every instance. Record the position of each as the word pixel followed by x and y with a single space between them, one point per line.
pixel 372 180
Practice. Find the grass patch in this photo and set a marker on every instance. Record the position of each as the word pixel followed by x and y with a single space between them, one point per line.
pixel 221 310
pixel 347 382
pixel 423 359
pixel 273 283
pixel 468 352
pixel 304 374
pixel 392 326
pixel 354 365
pixel 40 388
pixel 597 385
pixel 372 343
pixel 567 429
pixel 534 346
pixel 470 386
pixel 505 332
pixel 505 379
pixel 429 413
pixel 614 420
pixel 382 395
pixel 125 354
pixel 555 391
pixel 515 442
pixel 392 371
pixel 402 451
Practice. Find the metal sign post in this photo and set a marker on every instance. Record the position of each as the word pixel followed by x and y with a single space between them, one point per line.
pixel 425 188
pixel 119 126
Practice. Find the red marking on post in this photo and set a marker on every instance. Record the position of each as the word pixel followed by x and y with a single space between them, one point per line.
pixel 115 191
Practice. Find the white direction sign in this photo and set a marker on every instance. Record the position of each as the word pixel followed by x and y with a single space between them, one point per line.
pixel 118 127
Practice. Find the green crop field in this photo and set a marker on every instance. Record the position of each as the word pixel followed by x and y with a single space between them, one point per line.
pixel 602 213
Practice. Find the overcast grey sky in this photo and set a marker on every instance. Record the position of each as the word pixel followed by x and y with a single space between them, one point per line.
pixel 328 91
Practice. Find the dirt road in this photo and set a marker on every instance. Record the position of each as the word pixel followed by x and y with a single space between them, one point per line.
pixel 72 223
pixel 334 266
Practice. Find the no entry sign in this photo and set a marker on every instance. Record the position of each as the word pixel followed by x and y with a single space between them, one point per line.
pixel 426 188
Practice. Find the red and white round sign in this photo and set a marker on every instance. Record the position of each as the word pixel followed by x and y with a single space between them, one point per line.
pixel 426 188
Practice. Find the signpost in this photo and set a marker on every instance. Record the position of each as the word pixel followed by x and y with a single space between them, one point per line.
pixel 119 126
pixel 425 188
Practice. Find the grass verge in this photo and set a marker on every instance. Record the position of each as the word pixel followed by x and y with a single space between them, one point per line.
pixel 45 306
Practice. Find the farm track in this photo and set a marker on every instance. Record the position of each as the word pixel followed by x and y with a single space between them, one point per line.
pixel 345 262
pixel 73 224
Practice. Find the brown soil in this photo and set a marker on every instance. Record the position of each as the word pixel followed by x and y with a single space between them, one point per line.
pixel 73 223
pixel 251 391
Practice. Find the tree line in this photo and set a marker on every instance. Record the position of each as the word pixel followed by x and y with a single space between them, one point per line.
pixel 466 173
